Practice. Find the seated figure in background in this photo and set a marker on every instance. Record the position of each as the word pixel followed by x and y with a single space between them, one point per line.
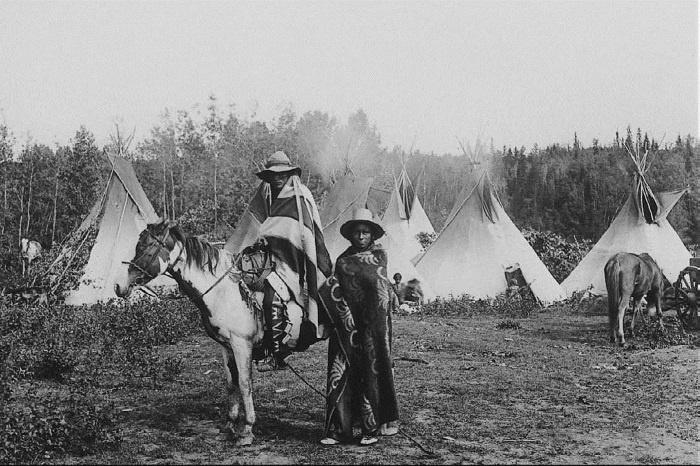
pixel 412 292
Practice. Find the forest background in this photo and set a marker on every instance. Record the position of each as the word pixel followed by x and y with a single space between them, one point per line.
pixel 198 167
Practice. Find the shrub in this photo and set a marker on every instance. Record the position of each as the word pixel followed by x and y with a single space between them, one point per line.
pixel 82 344
pixel 43 425
pixel 508 324
pixel 465 305
pixel 426 239
pixel 50 356
pixel 560 256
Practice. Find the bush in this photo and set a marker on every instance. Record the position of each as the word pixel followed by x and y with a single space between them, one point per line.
pixel 558 254
pixel 42 425
pixel 465 305
pixel 426 239
pixel 508 324
pixel 59 342
pixel 50 356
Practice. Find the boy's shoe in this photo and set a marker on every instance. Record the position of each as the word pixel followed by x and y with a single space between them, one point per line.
pixel 330 441
pixel 388 429
pixel 368 440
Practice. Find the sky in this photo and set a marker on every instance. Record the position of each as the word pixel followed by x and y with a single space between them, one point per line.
pixel 425 72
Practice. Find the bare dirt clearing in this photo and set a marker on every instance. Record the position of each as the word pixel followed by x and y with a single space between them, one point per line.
pixel 474 390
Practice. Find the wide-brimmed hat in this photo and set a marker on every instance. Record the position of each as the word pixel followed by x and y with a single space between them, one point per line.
pixel 361 215
pixel 278 163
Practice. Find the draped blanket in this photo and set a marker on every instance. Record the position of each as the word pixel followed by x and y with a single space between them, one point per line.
pixel 360 385
pixel 292 228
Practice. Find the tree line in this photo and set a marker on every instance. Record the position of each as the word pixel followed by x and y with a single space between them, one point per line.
pixel 199 169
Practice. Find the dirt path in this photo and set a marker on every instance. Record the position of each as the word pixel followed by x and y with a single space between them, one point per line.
pixel 543 389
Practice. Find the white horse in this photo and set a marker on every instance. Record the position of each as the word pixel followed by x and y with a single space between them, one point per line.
pixel 209 278
pixel 30 251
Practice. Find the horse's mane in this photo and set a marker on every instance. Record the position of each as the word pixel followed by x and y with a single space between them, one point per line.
pixel 198 251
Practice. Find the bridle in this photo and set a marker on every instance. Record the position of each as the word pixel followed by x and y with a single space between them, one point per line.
pixel 248 275
pixel 161 243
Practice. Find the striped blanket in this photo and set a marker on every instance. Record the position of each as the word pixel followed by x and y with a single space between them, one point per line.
pixel 292 228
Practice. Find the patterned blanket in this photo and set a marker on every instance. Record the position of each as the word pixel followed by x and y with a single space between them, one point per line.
pixel 291 227
pixel 360 384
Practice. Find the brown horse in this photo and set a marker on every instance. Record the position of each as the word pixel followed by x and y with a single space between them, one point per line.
pixel 631 276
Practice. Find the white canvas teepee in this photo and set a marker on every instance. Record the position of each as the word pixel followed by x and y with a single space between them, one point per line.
pixel 347 193
pixel 405 218
pixel 476 246
pixel 640 226
pixel 91 261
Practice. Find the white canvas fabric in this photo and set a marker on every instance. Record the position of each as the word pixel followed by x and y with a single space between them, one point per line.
pixel 629 232
pixel 346 193
pixel 122 213
pixel 405 218
pixel 476 245
pixel 419 219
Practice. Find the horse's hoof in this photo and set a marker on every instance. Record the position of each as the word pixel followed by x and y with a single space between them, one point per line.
pixel 244 441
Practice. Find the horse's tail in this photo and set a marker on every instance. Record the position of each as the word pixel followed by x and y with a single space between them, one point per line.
pixel 612 283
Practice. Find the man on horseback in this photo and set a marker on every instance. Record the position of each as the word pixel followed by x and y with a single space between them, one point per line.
pixel 282 219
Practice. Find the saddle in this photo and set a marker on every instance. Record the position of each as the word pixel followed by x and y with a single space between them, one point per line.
pixel 255 264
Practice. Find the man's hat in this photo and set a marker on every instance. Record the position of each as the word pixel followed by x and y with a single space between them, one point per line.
pixel 361 215
pixel 278 163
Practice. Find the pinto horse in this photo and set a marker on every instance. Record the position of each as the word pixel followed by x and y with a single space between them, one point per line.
pixel 633 276
pixel 210 279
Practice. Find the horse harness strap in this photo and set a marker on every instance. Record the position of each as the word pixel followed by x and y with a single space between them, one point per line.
pixel 259 267
pixel 218 280
pixel 255 265
pixel 253 277
pixel 161 242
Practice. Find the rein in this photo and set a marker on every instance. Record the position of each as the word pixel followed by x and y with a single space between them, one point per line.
pixel 218 280
pixel 236 263
pixel 162 244
pixel 170 271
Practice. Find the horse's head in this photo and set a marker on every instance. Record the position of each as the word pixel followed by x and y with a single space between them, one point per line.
pixel 159 246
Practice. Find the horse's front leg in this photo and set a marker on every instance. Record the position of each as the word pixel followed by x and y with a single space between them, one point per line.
pixel 243 352
pixel 234 394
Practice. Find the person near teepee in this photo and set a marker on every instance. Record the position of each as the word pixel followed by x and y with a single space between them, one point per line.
pixel 288 227
pixel 360 378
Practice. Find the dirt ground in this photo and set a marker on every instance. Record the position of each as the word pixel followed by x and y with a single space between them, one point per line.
pixel 548 388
